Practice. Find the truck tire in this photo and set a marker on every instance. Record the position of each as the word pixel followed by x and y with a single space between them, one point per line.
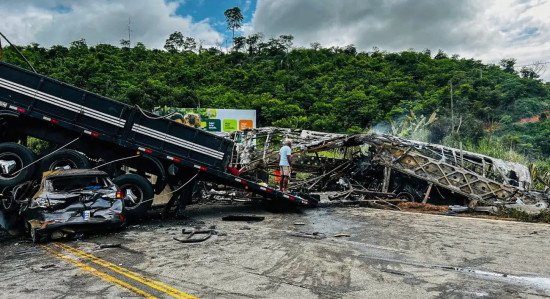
pixel 22 157
pixel 142 192
pixel 65 159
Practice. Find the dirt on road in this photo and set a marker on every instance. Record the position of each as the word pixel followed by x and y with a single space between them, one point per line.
pixel 344 252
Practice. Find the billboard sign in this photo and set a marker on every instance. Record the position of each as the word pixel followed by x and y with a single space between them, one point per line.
pixel 212 120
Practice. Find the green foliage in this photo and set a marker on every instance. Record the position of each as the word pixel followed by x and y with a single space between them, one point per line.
pixel 326 89
pixel 531 138
pixel 540 173
pixel 543 216
pixel 37 146
pixel 489 146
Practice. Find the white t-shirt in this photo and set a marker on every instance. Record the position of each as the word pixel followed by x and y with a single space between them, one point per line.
pixel 284 152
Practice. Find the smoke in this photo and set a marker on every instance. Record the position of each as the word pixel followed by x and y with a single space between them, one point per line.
pixel 382 127
pixel 408 126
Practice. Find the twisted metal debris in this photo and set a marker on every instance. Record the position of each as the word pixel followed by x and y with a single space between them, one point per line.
pixel 375 164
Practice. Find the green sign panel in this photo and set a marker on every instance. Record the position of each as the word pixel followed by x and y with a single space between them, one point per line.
pixel 213 125
pixel 230 125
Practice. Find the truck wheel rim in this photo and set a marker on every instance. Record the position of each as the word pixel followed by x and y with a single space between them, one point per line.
pixel 18 166
pixel 63 164
pixel 136 191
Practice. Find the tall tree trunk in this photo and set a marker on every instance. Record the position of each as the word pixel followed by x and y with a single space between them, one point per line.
pixel 233 39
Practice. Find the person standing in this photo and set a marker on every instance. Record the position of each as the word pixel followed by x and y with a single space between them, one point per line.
pixel 285 164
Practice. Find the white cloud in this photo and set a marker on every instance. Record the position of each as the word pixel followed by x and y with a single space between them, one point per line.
pixel 489 30
pixel 50 22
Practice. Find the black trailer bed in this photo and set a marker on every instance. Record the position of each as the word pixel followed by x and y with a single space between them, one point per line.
pixel 62 105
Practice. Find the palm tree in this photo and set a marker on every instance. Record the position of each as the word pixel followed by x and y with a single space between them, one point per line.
pixel 234 19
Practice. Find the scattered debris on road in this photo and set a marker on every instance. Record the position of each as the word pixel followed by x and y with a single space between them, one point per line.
pixel 204 234
pixel 342 235
pixel 314 235
pixel 112 245
pixel 248 218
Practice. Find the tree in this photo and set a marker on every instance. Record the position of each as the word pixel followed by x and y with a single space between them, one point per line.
pixel 174 42
pixel 441 55
pixel 315 46
pixel 238 43
pixel 350 49
pixel 234 19
pixel 177 42
pixel 508 64
pixel 528 73
pixel 286 41
pixel 189 44
pixel 125 43
pixel 252 42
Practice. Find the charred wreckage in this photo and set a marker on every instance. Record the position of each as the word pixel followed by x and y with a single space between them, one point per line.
pixel 385 169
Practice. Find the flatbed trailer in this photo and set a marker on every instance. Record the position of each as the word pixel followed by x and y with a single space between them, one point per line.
pixel 105 130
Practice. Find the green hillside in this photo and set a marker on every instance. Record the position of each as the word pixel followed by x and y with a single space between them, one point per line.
pixel 325 89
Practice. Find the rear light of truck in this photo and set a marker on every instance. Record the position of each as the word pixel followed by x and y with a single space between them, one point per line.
pixel 91 133
pixel 146 150
pixel 119 194
pixel 52 120
pixel 174 159
pixel 201 168
pixel 18 109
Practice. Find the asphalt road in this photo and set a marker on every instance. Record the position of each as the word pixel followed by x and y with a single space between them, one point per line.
pixel 387 254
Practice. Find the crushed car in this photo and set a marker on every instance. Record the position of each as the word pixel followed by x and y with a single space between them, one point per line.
pixel 70 202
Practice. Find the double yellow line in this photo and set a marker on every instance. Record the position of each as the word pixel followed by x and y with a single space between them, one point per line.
pixel 136 277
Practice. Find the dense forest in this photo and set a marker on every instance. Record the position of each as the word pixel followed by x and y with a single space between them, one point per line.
pixel 428 96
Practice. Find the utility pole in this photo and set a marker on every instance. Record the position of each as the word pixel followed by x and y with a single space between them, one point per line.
pixel 452 109
pixel 129 32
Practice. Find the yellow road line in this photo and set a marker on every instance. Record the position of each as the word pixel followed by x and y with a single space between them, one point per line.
pixel 97 273
pixel 157 285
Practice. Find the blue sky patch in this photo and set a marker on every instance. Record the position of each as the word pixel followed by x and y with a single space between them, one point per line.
pixel 213 11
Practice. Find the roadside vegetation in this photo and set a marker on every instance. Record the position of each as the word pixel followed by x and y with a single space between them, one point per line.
pixel 432 97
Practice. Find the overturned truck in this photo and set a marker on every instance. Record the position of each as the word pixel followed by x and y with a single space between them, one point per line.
pixel 359 166
pixel 144 152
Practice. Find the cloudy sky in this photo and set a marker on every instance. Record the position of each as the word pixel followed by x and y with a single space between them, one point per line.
pixel 485 29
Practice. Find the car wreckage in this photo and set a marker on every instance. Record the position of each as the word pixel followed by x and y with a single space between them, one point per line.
pixel 384 168
pixel 70 202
